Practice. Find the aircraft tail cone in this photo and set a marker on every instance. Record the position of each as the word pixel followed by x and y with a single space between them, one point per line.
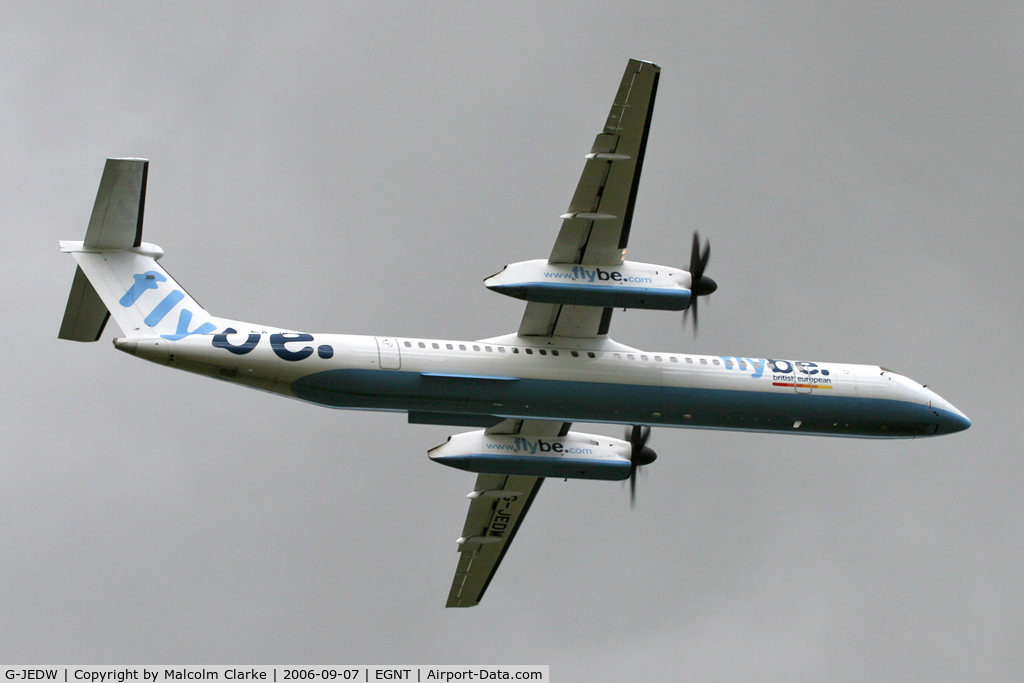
pixel 130 346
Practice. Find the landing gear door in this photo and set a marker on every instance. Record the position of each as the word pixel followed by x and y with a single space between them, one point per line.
pixel 390 355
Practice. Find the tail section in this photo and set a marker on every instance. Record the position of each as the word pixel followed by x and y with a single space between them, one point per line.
pixel 118 274
pixel 85 315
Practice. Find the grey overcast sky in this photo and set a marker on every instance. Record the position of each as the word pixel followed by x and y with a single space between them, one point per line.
pixel 360 167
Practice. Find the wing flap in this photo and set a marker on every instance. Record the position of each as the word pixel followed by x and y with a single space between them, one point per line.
pixel 539 319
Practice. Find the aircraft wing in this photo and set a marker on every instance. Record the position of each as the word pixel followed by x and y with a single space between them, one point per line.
pixel 595 229
pixel 498 504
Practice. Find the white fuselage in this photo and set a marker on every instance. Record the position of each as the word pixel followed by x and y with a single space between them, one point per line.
pixel 473 382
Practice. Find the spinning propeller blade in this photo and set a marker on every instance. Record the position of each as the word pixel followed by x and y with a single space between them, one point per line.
pixel 700 284
pixel 639 456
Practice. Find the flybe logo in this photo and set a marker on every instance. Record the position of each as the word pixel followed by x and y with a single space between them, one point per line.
pixel 521 445
pixel 278 342
pixel 579 273
pixel 778 367
pixel 151 280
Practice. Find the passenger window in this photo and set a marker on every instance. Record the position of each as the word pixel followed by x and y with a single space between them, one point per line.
pixel 643 357
pixel 715 361
pixel 703 361
pixel 435 345
pixel 501 349
pixel 408 345
pixel 515 350
pixel 689 360
pixel 575 354
pixel 618 356
pixel 657 358
pixel 462 347
pixel 422 345
pixel 475 347
pixel 673 359
pixel 543 352
pixel 591 354
pixel 449 347
pixel 630 356
pixel 529 351
pixel 742 364
pixel 554 353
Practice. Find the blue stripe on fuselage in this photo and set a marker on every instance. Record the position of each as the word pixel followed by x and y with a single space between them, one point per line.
pixel 621 403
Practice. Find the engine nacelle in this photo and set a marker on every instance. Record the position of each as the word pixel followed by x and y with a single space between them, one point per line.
pixel 573 456
pixel 630 285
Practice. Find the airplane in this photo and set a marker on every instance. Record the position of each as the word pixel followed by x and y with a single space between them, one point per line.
pixel 521 391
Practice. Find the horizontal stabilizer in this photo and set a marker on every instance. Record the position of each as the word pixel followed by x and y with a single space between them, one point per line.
pixel 116 221
pixel 85 315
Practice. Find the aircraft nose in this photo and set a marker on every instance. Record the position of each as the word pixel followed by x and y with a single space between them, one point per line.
pixel 949 418
pixel 952 421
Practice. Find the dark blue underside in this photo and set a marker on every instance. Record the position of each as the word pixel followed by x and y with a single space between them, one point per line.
pixel 537 466
pixel 608 296
pixel 572 401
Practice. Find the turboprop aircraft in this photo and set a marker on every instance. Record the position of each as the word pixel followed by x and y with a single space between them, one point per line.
pixel 522 391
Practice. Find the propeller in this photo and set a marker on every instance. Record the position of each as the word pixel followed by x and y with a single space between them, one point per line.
pixel 700 284
pixel 639 455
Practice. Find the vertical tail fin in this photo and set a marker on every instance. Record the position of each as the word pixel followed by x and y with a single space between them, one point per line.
pixel 118 274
